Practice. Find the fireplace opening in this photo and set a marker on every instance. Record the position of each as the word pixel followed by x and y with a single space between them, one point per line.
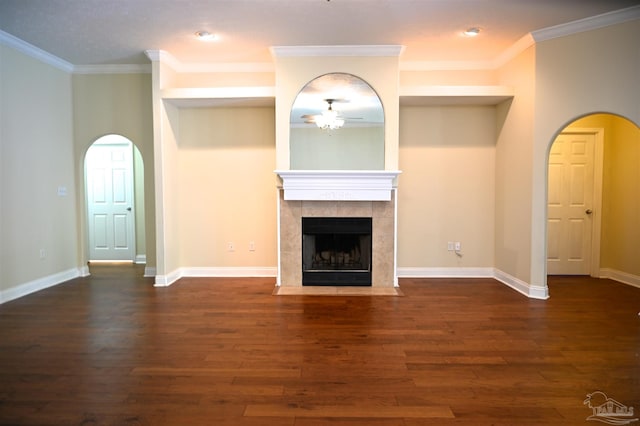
pixel 336 251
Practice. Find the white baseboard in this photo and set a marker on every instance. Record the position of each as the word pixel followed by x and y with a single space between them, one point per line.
pixel 622 277
pixel 167 280
pixel 141 259
pixel 531 291
pixel 229 272
pixel 445 273
pixel 149 272
pixel 40 284
pixel 84 271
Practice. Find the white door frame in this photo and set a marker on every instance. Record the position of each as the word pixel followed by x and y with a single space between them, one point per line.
pixel 598 156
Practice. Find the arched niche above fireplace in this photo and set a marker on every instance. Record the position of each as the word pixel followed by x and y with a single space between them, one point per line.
pixel 354 142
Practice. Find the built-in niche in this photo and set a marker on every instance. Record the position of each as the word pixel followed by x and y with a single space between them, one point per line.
pixel 337 123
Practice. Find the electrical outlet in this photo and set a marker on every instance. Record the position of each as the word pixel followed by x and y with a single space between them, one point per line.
pixel 450 246
pixel 230 247
pixel 458 246
pixel 252 246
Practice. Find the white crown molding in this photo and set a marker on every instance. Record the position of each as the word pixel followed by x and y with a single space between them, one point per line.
pixel 34 52
pixel 346 50
pixel 252 67
pixel 445 65
pixel 113 69
pixel 514 50
pixel 587 24
pixel 193 67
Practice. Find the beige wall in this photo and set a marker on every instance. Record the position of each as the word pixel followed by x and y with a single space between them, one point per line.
pixel 226 187
pixel 116 104
pixel 513 169
pixel 36 158
pixel 447 188
pixel 592 71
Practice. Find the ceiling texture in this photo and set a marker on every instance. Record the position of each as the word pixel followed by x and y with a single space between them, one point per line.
pixel 114 32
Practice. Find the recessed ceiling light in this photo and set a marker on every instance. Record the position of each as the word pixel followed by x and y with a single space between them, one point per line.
pixel 206 36
pixel 472 32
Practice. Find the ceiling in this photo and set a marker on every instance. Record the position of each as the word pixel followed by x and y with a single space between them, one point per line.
pixel 101 32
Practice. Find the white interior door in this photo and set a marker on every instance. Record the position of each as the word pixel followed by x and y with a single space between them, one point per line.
pixel 570 204
pixel 109 180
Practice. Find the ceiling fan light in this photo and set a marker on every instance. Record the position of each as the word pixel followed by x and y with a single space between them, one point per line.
pixel 329 119
pixel 472 32
pixel 206 36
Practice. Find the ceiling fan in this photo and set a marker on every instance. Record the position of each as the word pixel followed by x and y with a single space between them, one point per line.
pixel 329 118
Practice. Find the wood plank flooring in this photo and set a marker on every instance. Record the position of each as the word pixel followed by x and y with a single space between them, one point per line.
pixel 110 349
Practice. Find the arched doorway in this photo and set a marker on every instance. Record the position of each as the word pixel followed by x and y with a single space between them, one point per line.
pixel 598 201
pixel 114 196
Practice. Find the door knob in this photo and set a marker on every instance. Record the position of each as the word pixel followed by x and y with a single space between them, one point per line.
pixel 129 209
pixel 588 211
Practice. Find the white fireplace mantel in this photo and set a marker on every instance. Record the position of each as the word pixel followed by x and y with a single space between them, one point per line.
pixel 341 185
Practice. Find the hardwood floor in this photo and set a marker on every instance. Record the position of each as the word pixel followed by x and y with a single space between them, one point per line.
pixel 110 349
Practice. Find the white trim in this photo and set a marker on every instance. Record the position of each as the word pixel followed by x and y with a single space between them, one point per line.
pixel 215 272
pixel 514 50
pixel 395 238
pixel 445 65
pixel 141 259
pixel 149 271
pixel 231 67
pixel 233 271
pixel 587 24
pixel 84 271
pixel 35 52
pixel 39 284
pixel 338 185
pixel 113 69
pixel 278 245
pixel 219 92
pixel 167 280
pixel 444 272
pixel 346 50
pixel 531 291
pixel 622 277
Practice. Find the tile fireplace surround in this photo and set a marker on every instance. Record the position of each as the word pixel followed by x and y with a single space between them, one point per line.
pixel 338 194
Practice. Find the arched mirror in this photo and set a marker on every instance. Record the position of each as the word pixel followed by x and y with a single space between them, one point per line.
pixel 337 123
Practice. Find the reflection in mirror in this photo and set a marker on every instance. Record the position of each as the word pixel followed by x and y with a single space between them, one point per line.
pixel 337 123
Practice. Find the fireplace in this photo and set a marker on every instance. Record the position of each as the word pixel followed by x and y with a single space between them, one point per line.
pixel 340 195
pixel 336 251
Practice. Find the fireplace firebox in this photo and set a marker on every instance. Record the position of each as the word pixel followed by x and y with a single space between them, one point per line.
pixel 336 251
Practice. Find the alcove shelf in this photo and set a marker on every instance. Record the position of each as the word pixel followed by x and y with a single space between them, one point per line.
pixel 200 97
pixel 454 95
pixel 264 96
